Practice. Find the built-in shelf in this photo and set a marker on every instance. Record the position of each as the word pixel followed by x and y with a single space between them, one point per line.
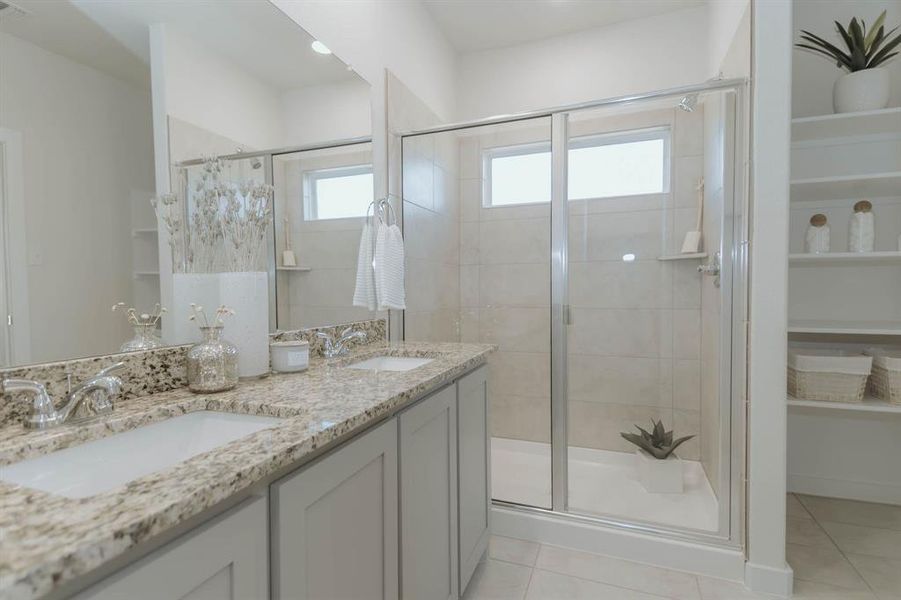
pixel 846 187
pixel 300 269
pixel 837 259
pixel 694 255
pixel 146 273
pixel 869 404
pixel 144 231
pixel 823 127
pixel 845 327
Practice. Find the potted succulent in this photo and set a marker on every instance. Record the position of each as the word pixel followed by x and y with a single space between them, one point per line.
pixel 659 469
pixel 866 84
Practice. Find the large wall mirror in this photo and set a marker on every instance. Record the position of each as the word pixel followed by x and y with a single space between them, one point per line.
pixel 134 133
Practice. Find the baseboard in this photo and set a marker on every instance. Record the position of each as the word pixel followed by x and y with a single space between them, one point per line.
pixel 885 493
pixel 769 580
pixel 559 530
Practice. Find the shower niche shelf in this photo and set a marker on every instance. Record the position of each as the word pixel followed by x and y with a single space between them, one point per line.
pixel 692 256
pixel 295 269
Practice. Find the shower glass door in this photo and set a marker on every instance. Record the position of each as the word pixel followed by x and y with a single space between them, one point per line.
pixel 644 327
pixel 476 214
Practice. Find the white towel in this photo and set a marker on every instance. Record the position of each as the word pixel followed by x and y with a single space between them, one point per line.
pixel 364 293
pixel 389 268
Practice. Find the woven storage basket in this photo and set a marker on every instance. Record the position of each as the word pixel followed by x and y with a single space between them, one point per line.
pixel 885 380
pixel 829 376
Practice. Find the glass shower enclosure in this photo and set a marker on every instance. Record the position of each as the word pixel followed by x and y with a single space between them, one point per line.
pixel 599 246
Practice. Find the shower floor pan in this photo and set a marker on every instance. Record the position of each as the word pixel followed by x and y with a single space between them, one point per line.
pixel 602 483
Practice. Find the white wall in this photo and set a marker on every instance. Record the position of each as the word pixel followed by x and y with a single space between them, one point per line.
pixel 636 56
pixel 87 149
pixel 814 75
pixel 326 112
pixel 724 23
pixel 207 91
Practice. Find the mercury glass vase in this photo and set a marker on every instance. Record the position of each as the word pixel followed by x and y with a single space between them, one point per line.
pixel 212 364
pixel 145 339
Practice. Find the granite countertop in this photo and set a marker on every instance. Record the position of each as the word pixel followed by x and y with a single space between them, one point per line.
pixel 47 540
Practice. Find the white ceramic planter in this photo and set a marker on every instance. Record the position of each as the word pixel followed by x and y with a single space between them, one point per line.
pixel 659 476
pixel 861 90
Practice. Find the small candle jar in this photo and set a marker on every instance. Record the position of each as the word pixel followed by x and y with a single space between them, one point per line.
pixel 290 356
pixel 816 239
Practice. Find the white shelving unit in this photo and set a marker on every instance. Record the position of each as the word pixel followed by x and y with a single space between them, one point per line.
pixel 843 300
pixel 869 405
pixel 845 259
pixel 841 187
pixel 844 327
pixel 826 127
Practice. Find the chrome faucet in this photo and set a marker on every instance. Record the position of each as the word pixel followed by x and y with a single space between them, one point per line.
pixel 94 396
pixel 337 346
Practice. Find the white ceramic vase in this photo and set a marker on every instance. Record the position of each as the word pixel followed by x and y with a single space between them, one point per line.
pixel 659 476
pixel 868 89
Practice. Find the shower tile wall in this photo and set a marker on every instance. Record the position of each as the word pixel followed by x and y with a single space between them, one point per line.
pixel 635 343
pixel 431 229
pixel 324 294
pixel 505 291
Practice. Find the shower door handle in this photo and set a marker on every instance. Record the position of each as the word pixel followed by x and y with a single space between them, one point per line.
pixel 712 269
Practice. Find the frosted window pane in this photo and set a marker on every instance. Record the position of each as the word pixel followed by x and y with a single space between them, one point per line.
pixel 616 170
pixel 344 196
pixel 521 179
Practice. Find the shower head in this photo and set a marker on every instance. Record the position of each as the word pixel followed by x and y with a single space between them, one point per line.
pixel 688 103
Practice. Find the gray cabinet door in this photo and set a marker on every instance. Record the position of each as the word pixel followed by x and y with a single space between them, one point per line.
pixel 428 472
pixel 334 524
pixel 223 559
pixel 474 468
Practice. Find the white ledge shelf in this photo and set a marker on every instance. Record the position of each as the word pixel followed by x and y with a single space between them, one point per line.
pixel 840 259
pixel 845 327
pixel 852 125
pixel 869 404
pixel 694 255
pixel 846 187
pixel 296 269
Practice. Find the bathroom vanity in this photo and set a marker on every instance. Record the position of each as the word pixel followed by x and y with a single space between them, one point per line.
pixel 360 464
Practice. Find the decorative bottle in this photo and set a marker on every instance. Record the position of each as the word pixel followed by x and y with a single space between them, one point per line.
pixel 816 240
pixel 212 364
pixel 862 232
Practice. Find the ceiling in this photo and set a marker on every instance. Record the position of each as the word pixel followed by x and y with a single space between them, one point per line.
pixel 472 25
pixel 113 36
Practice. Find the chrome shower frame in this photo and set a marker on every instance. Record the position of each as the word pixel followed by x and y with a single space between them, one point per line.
pixel 733 302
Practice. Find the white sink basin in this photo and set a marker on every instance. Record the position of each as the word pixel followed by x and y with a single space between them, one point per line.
pixel 391 363
pixel 101 465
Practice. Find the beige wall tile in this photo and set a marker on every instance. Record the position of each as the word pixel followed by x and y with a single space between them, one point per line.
pixel 516 328
pixel 520 417
pixel 610 236
pixel 620 332
pixel 598 425
pixel 515 241
pixel 686 422
pixel 469 243
pixel 514 285
pixel 521 373
pixel 687 334
pixel 620 380
pixel 687 384
pixel 618 284
pixel 469 285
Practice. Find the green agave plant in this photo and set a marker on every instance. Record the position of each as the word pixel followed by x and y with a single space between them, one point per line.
pixel 867 49
pixel 658 442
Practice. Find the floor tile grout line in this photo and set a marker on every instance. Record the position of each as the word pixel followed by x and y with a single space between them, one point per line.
pixel 842 552
pixel 612 585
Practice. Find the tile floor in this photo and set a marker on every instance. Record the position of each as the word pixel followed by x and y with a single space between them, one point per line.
pixel 839 550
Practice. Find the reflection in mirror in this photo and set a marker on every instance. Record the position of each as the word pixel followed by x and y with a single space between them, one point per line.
pixel 108 104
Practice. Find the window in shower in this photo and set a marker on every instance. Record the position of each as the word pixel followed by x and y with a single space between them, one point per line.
pixel 629 163
pixel 340 193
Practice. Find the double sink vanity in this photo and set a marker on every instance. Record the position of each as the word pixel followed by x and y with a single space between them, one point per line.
pixel 294 486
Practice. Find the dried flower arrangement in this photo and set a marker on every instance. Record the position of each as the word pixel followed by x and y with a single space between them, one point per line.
pixel 147 320
pixel 198 314
pixel 227 224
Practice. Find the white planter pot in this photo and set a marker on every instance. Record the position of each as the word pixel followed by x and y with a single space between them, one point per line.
pixel 659 476
pixel 862 90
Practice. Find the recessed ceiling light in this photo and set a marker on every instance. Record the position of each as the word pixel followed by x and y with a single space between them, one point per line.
pixel 319 47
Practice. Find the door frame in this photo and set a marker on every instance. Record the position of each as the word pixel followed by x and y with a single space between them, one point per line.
pixel 14 269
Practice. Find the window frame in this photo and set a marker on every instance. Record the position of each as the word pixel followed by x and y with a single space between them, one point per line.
pixel 662 132
pixel 313 176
